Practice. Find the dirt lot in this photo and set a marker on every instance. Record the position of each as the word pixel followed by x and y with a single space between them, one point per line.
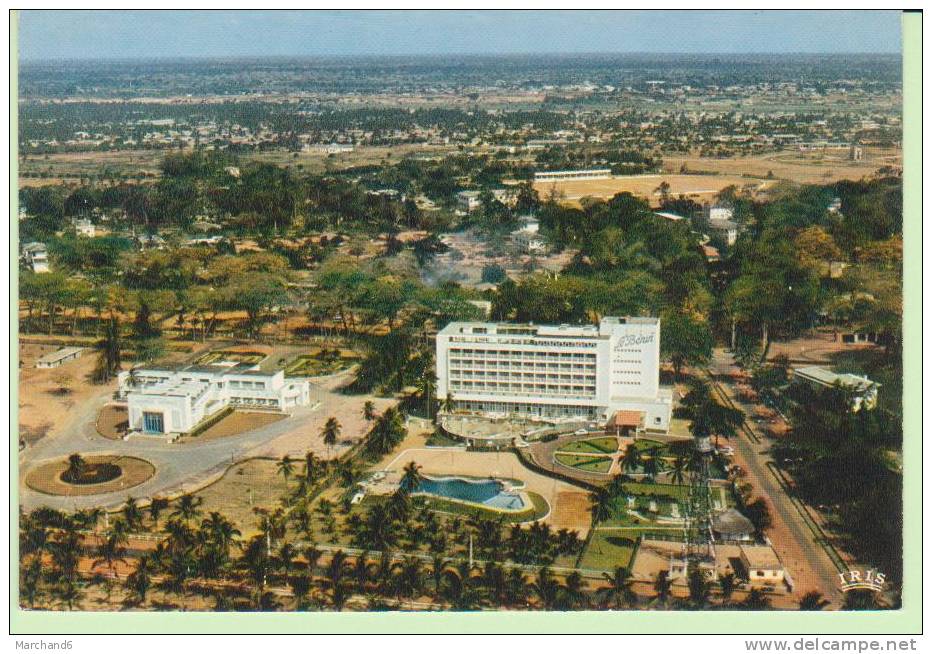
pixel 112 422
pixel 238 422
pixel 45 407
pixel 244 487
pixel 701 188
pixel 791 165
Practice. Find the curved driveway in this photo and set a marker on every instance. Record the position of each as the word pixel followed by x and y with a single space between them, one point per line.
pixel 180 467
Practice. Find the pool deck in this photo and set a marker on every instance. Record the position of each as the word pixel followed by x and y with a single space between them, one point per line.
pixel 569 504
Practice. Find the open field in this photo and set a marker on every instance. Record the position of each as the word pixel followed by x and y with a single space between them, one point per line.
pixel 252 484
pixel 70 167
pixel 821 167
pixel 707 177
pixel 238 422
pixel 701 188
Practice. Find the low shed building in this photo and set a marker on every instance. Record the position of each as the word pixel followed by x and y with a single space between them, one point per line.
pixel 58 357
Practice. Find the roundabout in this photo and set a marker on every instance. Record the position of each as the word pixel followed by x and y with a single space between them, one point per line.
pixel 89 475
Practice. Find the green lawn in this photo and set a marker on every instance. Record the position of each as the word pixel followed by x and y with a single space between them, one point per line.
pixel 587 463
pixel 608 445
pixel 607 550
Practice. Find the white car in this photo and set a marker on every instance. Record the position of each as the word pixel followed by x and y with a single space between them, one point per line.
pixel 726 450
pixel 581 432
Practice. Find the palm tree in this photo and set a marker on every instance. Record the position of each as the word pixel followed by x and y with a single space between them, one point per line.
pixel 662 586
pixel 813 601
pixel 220 531
pixel 574 594
pixel 330 432
pixel 547 589
pixel 601 506
pixel 156 506
pixel 335 580
pixel 76 466
pixel 425 388
pixel 312 555
pixel 653 464
pixel 756 600
pixel 860 600
pixel 728 583
pixel 188 507
pixel 312 467
pixel 631 460
pixel 111 550
pixel 132 513
pixel 300 587
pixel 69 593
pixel 411 477
pixel 447 404
pixel 618 592
pixel 368 411
pixel 698 587
pixel 30 578
pixel 679 469
pixel 517 588
pixel 140 580
pixel 285 467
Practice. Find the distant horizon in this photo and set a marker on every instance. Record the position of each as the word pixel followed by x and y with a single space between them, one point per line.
pixel 166 34
pixel 463 55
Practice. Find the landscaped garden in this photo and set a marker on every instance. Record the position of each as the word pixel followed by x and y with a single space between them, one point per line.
pixel 588 455
pixel 89 475
pixel 322 362
pixel 219 357
pixel 604 445
pixel 587 463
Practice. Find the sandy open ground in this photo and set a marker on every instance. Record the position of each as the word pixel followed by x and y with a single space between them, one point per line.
pixel 569 505
pixel 701 188
pixel 820 167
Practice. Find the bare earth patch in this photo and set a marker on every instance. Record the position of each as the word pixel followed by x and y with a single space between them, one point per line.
pixel 113 421
pixel 46 478
pixel 246 486
pixel 238 422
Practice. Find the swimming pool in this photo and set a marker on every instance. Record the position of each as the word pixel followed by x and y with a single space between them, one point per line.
pixel 487 492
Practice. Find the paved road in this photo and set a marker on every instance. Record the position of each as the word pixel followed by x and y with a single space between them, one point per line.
pixel 180 467
pixel 821 571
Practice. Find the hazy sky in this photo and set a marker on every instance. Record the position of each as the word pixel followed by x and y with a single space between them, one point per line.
pixel 132 34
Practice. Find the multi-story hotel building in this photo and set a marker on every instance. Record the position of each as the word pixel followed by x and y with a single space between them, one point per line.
pixel 555 372
pixel 174 399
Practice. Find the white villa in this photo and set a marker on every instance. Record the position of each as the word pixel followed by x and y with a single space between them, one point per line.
pixel 36 256
pixel 555 372
pixel 862 392
pixel 174 399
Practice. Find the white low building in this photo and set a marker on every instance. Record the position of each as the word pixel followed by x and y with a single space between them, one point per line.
pixel 861 391
pixel 468 201
pixel 555 372
pixel 58 357
pixel 36 256
pixel 173 400
pixel 528 237
pixel 566 175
